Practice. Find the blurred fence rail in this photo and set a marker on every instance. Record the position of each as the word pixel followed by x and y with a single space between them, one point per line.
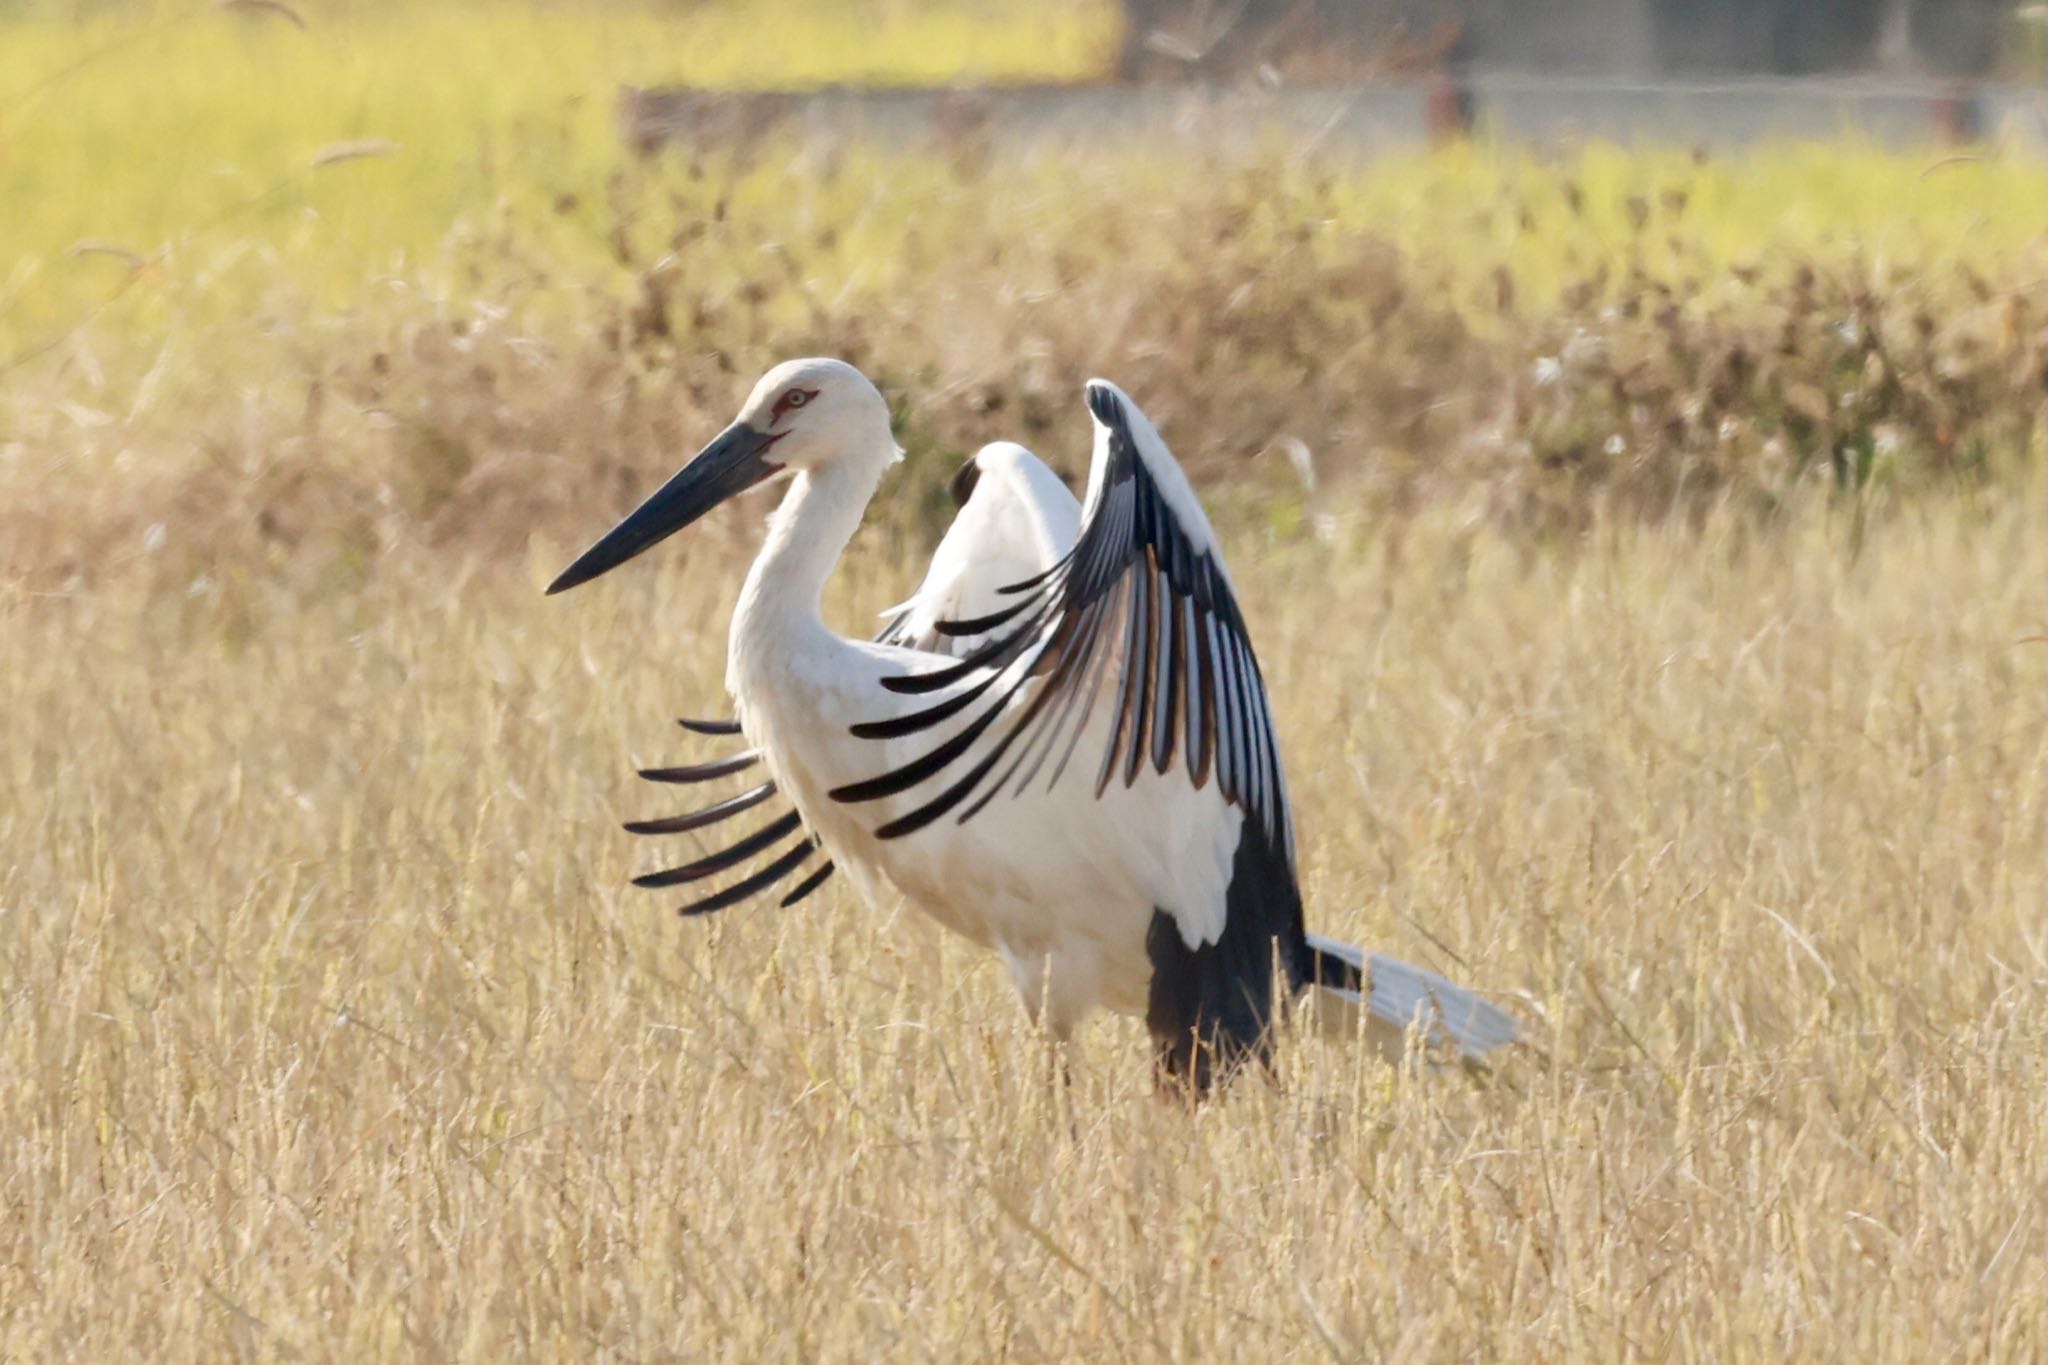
pixel 1358 118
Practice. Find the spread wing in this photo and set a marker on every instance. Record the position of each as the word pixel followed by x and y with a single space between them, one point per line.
pixel 1015 519
pixel 1139 616
pixel 778 830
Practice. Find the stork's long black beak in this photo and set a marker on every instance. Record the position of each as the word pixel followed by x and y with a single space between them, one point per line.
pixel 735 461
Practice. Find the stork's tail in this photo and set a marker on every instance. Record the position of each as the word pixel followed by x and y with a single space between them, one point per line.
pixel 1396 995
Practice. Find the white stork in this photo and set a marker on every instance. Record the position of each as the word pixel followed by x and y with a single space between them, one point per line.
pixel 1157 876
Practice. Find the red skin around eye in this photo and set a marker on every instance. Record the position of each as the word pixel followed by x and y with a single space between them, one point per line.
pixel 783 404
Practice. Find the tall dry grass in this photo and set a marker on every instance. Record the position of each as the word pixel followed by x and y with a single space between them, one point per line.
pixel 333 1030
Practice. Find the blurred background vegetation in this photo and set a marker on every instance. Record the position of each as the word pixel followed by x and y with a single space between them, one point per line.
pixel 346 277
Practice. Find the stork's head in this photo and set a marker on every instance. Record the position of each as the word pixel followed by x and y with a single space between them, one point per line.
pixel 802 415
pixel 809 413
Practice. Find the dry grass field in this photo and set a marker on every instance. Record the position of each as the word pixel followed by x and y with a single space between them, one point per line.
pixel 1662 648
pixel 332 1029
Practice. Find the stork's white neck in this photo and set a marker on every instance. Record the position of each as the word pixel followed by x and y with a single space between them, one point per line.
pixel 779 607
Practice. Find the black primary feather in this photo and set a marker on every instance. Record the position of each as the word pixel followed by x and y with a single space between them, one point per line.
pixel 1135 605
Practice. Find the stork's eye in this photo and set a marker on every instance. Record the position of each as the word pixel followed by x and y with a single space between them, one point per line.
pixel 788 401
